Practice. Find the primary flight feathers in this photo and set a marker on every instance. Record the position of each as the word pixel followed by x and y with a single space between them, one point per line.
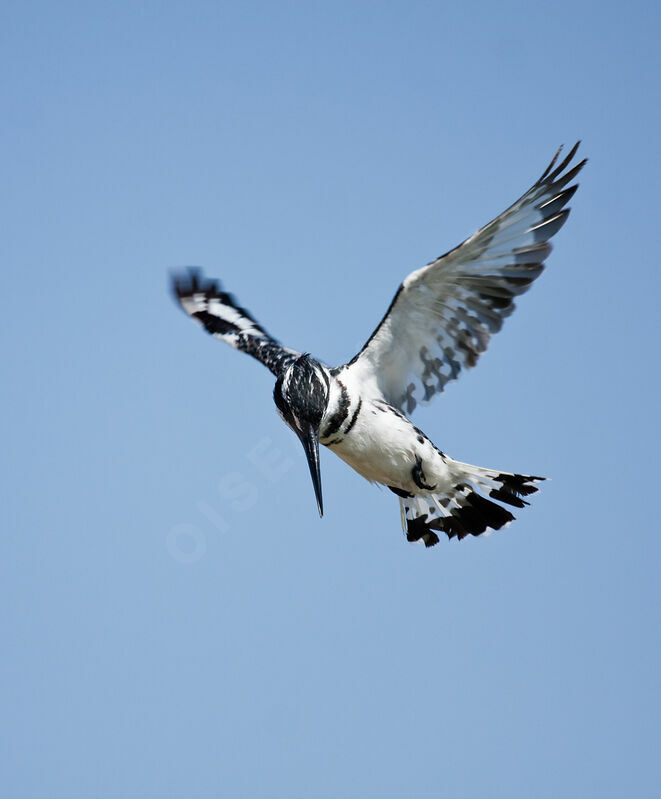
pixel 220 315
pixel 443 315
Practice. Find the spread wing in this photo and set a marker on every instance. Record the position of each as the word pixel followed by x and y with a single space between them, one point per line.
pixel 220 315
pixel 443 315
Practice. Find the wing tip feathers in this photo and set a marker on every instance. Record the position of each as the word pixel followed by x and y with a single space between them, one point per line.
pixel 550 174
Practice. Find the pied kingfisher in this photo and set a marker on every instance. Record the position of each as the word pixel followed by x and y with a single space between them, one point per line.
pixel 439 321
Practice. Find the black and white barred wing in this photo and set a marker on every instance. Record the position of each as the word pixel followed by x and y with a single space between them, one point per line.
pixel 443 315
pixel 220 315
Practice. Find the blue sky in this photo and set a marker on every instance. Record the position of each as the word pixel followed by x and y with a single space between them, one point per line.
pixel 176 620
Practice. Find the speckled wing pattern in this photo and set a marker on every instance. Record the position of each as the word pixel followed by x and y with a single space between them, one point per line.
pixel 443 315
pixel 221 316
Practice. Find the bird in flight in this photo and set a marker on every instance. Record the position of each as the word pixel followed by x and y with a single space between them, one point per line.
pixel 439 322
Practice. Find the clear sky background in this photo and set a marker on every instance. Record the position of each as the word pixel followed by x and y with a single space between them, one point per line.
pixel 176 621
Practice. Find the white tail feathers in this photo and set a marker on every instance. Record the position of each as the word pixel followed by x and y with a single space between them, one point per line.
pixel 464 510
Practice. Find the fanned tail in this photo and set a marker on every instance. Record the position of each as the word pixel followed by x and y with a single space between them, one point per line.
pixel 465 509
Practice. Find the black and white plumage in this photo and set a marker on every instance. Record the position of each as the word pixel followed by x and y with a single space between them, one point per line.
pixel 439 322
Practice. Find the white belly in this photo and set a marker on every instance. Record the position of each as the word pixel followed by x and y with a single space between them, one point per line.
pixel 384 447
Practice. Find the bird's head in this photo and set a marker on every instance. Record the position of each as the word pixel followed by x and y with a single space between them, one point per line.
pixel 301 397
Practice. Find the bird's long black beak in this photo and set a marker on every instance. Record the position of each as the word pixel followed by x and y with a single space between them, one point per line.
pixel 310 440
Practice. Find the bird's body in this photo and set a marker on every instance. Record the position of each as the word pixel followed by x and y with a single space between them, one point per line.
pixel 439 322
pixel 373 437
